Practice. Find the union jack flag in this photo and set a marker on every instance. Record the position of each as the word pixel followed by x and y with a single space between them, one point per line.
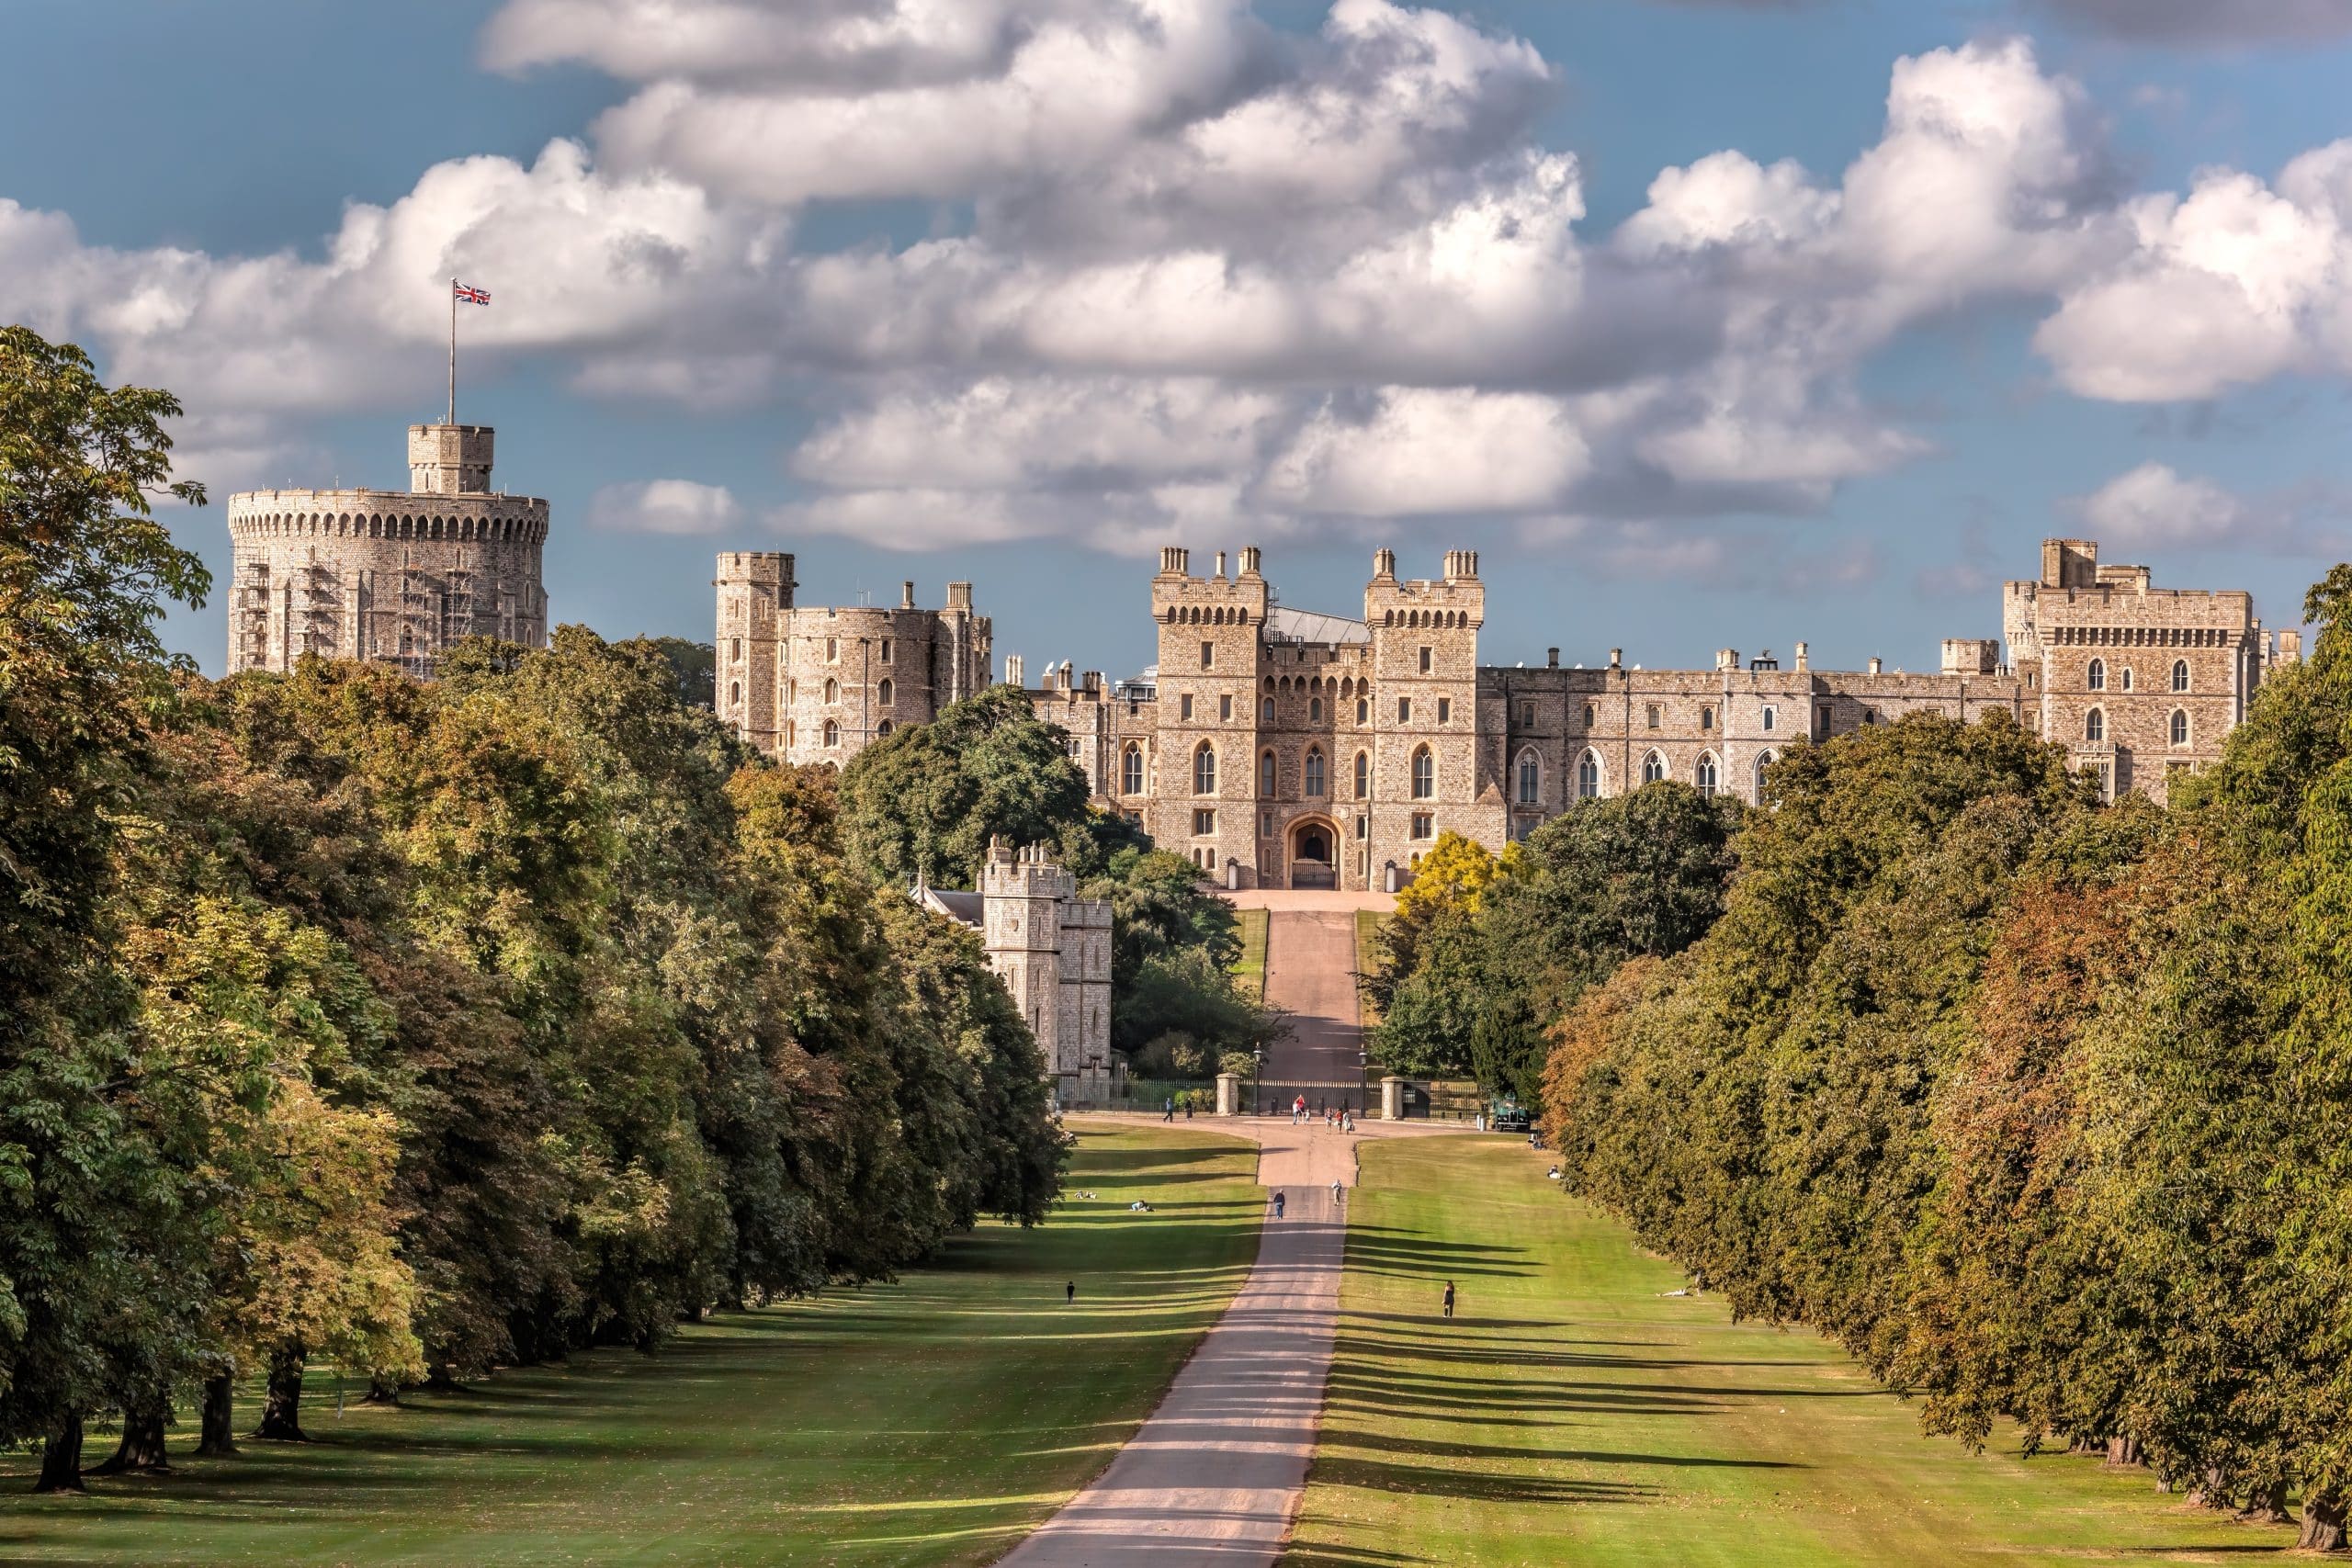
pixel 468 294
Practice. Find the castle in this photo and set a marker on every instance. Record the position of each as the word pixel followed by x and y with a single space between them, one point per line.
pixel 819 685
pixel 391 575
pixel 1052 949
pixel 1283 749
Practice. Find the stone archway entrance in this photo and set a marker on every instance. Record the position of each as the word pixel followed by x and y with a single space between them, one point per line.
pixel 1314 854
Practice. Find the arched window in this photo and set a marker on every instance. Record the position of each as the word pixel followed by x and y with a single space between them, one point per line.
pixel 1266 774
pixel 2180 674
pixel 1205 770
pixel 832 733
pixel 1363 774
pixel 1704 776
pixel 1363 710
pixel 1706 718
pixel 1653 768
pixel 734 693
pixel 1131 770
pixel 1530 778
pixel 2098 679
pixel 2127 677
pixel 1589 777
pixel 1770 718
pixel 2180 727
pixel 883 727
pixel 832 690
pixel 1267 710
pixel 1315 710
pixel 1314 771
pixel 1763 790
pixel 1424 773
pixel 2095 726
pixel 882 693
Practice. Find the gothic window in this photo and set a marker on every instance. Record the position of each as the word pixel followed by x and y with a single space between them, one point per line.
pixel 1706 718
pixel 1315 710
pixel 1131 770
pixel 886 651
pixel 1424 773
pixel 1205 770
pixel 1363 710
pixel 882 693
pixel 1314 772
pixel 832 648
pixel 1363 774
pixel 832 690
pixel 2179 727
pixel 2127 677
pixel 832 733
pixel 1270 685
pixel 1425 661
pixel 734 693
pixel 1267 709
pixel 2180 674
pixel 2095 726
pixel 1589 777
pixel 1650 716
pixel 1266 775
pixel 2098 679
pixel 1768 717
pixel 883 727
pixel 1591 715
pixel 1653 768
pixel 1704 777
pixel 1530 778
pixel 1763 790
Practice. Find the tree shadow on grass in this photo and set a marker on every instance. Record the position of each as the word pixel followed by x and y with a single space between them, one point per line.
pixel 1470 1487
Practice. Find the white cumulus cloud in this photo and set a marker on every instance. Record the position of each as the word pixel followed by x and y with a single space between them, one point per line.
pixel 664 506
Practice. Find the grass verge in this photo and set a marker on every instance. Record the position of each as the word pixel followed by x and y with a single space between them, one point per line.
pixel 933 1421
pixel 1368 924
pixel 1574 1412
pixel 1250 969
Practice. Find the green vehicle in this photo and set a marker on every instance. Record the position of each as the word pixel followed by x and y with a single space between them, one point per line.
pixel 1507 1115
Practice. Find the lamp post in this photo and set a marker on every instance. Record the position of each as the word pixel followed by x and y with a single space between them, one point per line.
pixel 1363 1080
pixel 1256 1062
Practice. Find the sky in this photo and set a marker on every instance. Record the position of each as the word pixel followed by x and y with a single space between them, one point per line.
pixel 1728 324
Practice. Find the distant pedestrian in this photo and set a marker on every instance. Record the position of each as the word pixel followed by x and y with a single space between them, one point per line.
pixel 1070 1293
pixel 1188 1110
pixel 1449 1298
pixel 1278 1206
pixel 1335 1192
pixel 1168 1112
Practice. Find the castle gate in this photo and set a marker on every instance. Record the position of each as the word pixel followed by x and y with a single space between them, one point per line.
pixel 1314 854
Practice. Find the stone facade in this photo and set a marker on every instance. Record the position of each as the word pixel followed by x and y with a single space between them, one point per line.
pixel 390 575
pixel 1053 951
pixel 1283 749
pixel 819 685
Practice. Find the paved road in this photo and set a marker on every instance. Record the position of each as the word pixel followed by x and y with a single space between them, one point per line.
pixel 1310 974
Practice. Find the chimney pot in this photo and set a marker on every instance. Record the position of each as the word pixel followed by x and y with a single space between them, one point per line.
pixel 1550 659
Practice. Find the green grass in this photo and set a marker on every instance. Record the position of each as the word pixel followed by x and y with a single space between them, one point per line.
pixel 1574 1414
pixel 932 1421
pixel 1250 969
pixel 1368 924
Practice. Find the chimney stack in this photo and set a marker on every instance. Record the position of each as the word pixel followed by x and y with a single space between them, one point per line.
pixel 1616 659
pixel 907 595
pixel 1250 558
pixel 1876 664
pixel 1173 561
pixel 1013 669
pixel 1800 658
pixel 1383 564
pixel 1220 566
pixel 1550 659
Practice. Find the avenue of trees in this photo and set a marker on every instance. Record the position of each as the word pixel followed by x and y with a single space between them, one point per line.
pixel 417 1029
pixel 2040 1107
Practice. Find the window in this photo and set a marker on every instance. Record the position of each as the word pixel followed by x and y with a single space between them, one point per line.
pixel 1266 776
pixel 1265 824
pixel 1424 773
pixel 832 648
pixel 832 733
pixel 1203 822
pixel 1363 710
pixel 1527 712
pixel 737 653
pixel 1821 720
pixel 1205 770
pixel 1588 777
pixel 1591 715
pixel 832 690
pixel 2127 677
pixel 1266 710
pixel 2095 726
pixel 734 693
pixel 1184 705
pixel 1131 770
pixel 791 733
pixel 886 651
pixel 1706 718
pixel 882 693
pixel 1363 827
pixel 1224 707
pixel 883 727
pixel 1444 709
pixel 2180 674
pixel 1769 716
pixel 1705 778
pixel 1314 772
pixel 1650 716
pixel 1315 710
pixel 1425 661
pixel 1653 768
pixel 1404 710
pixel 1363 774
pixel 1763 790
pixel 2097 678
pixel 1421 824
pixel 1530 778
pixel 2179 729
pixel 1208 655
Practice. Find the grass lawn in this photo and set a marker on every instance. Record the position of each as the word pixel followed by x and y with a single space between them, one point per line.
pixel 1574 1414
pixel 1368 924
pixel 1250 969
pixel 932 1421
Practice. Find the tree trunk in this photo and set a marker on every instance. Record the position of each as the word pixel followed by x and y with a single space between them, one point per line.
pixel 442 1373
pixel 141 1447
pixel 2267 1505
pixel 383 1391
pixel 2122 1451
pixel 2078 1444
pixel 2212 1491
pixel 2322 1523
pixel 60 1459
pixel 219 1441
pixel 281 1406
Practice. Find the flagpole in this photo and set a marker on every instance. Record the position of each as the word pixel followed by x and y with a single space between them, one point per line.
pixel 453 351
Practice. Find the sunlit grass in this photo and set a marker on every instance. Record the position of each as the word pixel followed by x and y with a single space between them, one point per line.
pixel 930 1421
pixel 1250 969
pixel 1574 1412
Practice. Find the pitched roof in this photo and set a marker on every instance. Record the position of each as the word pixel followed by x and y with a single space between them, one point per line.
pixel 1287 624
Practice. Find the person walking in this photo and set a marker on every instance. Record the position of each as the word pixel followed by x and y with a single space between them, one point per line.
pixel 1278 1208
pixel 1070 1293
pixel 1167 1111
pixel 1449 1298
pixel 1335 1192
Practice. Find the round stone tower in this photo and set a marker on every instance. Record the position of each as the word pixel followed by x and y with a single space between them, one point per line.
pixel 392 575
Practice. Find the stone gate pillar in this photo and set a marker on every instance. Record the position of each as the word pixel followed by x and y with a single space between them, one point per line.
pixel 1228 1094
pixel 1392 1098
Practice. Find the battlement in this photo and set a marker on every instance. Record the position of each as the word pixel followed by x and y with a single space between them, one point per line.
pixel 759 567
pixel 1456 599
pixel 450 459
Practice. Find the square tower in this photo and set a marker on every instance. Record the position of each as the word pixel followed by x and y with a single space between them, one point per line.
pixel 754 598
pixel 1436 757
pixel 1211 668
